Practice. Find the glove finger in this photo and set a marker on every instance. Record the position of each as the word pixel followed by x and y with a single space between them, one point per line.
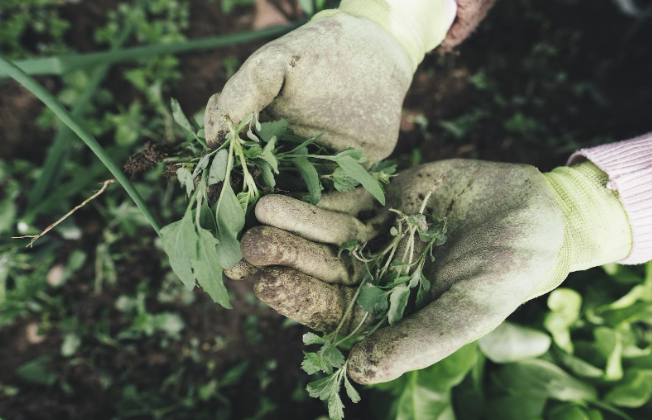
pixel 314 223
pixel 461 315
pixel 351 202
pixel 265 245
pixel 251 89
pixel 241 270
pixel 307 300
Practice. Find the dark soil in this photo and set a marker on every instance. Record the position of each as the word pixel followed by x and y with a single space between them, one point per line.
pixel 578 69
pixel 147 159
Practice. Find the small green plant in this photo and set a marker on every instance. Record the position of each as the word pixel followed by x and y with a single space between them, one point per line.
pixel 270 158
pixel 391 275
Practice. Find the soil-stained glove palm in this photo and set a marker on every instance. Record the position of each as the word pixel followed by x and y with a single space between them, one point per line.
pixel 341 72
pixel 513 234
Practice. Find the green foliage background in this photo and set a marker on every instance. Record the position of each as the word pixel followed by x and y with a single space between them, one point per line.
pixel 93 322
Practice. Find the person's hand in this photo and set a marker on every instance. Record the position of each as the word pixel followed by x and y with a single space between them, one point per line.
pixel 513 234
pixel 347 70
pixel 343 73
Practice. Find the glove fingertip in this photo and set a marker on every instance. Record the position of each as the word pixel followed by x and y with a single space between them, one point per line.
pixel 215 128
pixel 362 366
pixel 241 271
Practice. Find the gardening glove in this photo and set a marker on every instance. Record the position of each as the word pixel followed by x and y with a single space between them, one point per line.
pixel 346 70
pixel 513 234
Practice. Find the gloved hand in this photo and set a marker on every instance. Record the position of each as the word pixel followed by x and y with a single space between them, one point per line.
pixel 513 234
pixel 347 70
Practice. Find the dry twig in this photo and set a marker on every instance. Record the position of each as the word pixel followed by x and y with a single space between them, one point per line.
pixel 52 226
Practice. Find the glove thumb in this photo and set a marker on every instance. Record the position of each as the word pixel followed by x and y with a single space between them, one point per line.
pixel 251 89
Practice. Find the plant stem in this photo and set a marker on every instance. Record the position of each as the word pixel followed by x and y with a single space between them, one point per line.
pixel 352 333
pixel 432 190
pixel 55 106
pixel 350 307
pixel 227 176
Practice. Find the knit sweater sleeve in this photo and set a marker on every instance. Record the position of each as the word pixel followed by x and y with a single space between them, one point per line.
pixel 629 167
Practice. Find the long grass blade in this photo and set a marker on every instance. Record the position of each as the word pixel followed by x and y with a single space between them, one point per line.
pixel 60 65
pixel 55 106
pixel 60 150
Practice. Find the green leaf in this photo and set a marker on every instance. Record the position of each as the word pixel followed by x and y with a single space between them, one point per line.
pixel 71 343
pixel 348 246
pixel 350 390
pixel 324 388
pixel 36 372
pixel 217 172
pixel 243 199
pixel 207 219
pixel 253 151
pixel 8 209
pixel 385 174
pixel 511 343
pixel 310 177
pixel 307 6
pixel 342 182
pixel 565 307
pixel 416 276
pixel 230 221
pixel 268 154
pixel 372 299
pixel 251 136
pixel 569 412
pixel 201 165
pixel 543 379
pixel 356 171
pixel 312 338
pixel 272 129
pixel 633 391
pixel 610 344
pixel 640 292
pixel 356 154
pixel 419 401
pixel 398 299
pixel 595 415
pixel 335 407
pixel 186 180
pixel 578 366
pixel 333 356
pixel 426 394
pixel 180 243
pixel 208 271
pixel 233 375
pixel 180 118
pixel 516 407
pixel 306 143
pixel 450 371
pixel 267 174
pixel 315 362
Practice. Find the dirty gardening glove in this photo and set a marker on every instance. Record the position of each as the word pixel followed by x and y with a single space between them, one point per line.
pixel 347 70
pixel 513 234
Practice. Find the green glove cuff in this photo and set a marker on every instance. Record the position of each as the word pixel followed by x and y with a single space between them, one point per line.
pixel 418 25
pixel 597 229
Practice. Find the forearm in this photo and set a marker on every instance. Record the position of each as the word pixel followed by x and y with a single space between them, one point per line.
pixel 628 165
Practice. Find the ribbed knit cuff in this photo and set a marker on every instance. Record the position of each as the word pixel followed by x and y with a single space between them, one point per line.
pixel 418 25
pixel 629 167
